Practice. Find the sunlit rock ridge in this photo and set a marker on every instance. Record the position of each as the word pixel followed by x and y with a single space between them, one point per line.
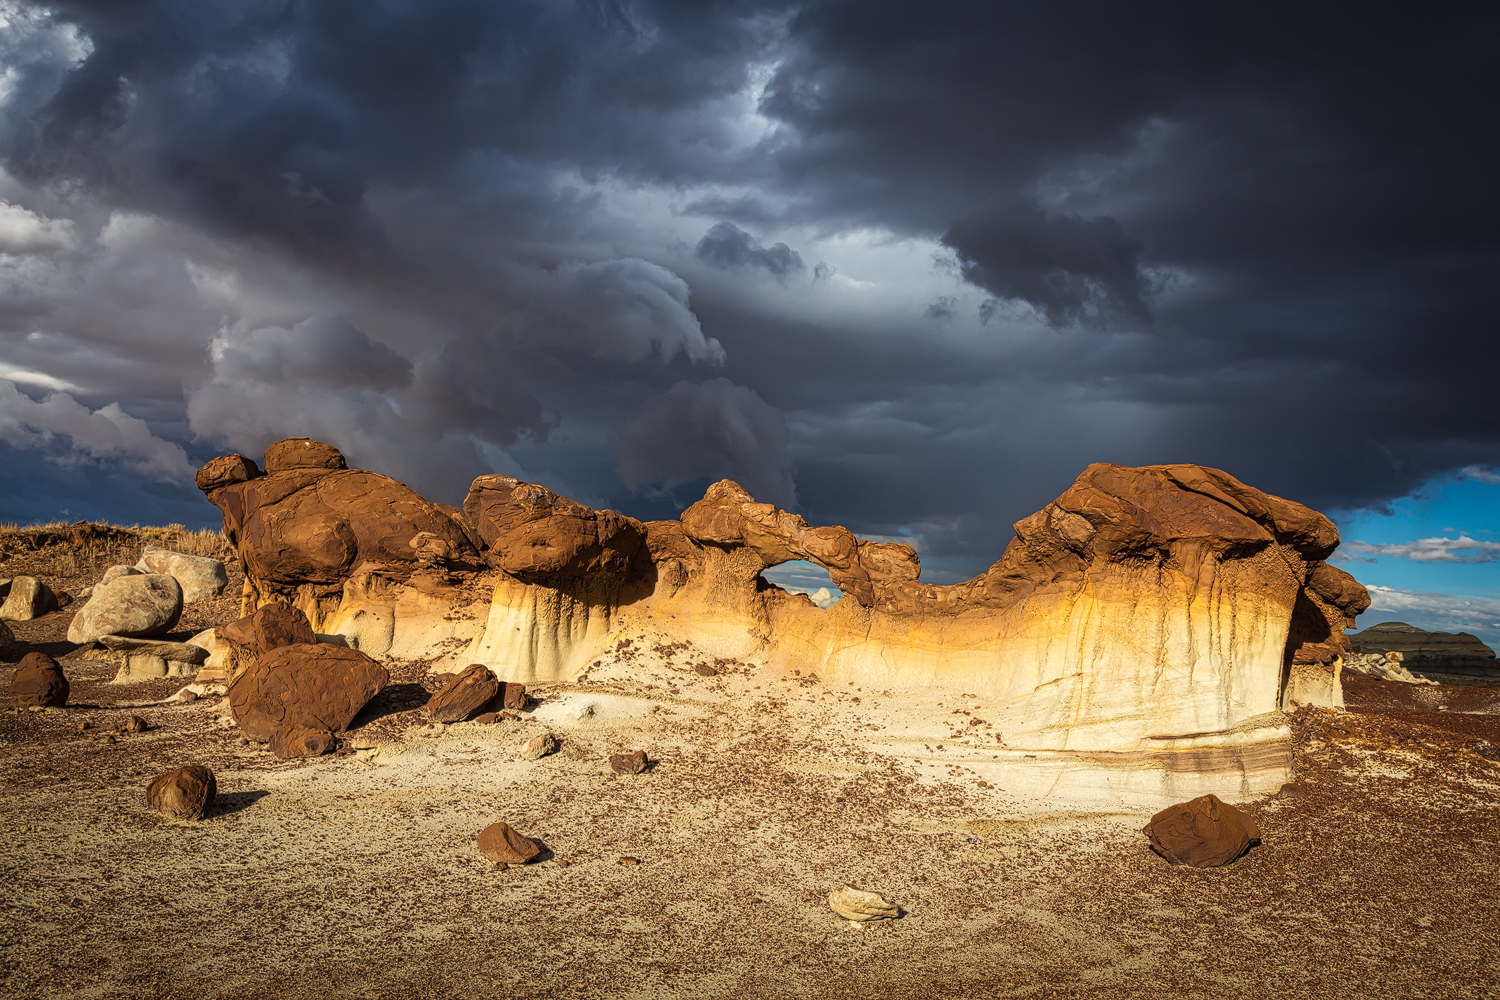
pixel 1137 641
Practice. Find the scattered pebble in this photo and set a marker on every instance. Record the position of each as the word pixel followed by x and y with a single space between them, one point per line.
pixel 539 746
pixel 630 861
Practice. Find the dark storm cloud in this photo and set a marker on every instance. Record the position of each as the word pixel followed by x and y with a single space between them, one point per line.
pixel 727 245
pixel 1259 239
pixel 714 430
pixel 1069 269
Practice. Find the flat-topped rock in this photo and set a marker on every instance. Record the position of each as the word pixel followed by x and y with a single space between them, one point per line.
pixel 1433 652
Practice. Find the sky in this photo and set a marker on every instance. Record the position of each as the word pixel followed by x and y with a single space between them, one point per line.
pixel 906 268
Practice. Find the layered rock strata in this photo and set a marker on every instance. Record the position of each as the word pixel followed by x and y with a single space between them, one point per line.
pixel 1146 629
pixel 1434 652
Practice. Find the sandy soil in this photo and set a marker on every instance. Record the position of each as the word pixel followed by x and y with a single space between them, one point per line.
pixel 357 875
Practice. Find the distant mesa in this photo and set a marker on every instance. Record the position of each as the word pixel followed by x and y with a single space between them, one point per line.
pixel 1141 634
pixel 1429 652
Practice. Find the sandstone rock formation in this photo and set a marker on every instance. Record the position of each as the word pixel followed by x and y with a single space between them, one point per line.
pixel 25 598
pixel 183 793
pixel 1435 652
pixel 199 577
pixel 317 686
pixel 137 606
pixel 148 659
pixel 40 682
pixel 240 643
pixel 1203 833
pixel 1388 667
pixel 307 526
pixel 859 905
pixel 464 696
pixel 1145 629
pixel 503 845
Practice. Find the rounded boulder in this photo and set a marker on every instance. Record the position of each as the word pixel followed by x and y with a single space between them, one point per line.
pixel 39 682
pixel 138 606
pixel 184 793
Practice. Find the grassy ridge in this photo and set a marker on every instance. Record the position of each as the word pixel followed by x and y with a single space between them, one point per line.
pixel 85 549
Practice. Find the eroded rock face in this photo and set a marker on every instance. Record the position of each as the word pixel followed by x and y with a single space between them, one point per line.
pixel 1203 833
pixel 183 793
pixel 137 606
pixel 200 578
pixel 40 682
pixel 319 687
pixel 1151 621
pixel 531 532
pixel 465 695
pixel 308 523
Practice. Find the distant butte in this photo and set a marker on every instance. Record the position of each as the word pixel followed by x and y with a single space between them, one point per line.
pixel 1137 642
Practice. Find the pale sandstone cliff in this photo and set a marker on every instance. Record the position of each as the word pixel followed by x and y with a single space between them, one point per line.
pixel 1141 633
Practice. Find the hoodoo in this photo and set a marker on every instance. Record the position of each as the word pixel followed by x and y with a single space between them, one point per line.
pixel 1137 641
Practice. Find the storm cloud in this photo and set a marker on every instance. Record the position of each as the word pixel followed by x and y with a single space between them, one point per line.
pixel 571 242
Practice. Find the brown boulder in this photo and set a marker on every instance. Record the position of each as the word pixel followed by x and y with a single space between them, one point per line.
pixel 515 696
pixel 1201 833
pixel 185 793
pixel 302 741
pixel 226 470
pixel 628 763
pixel 303 453
pixel 277 624
pixel 503 845
pixel 531 532
pixel 39 681
pixel 319 686
pixel 7 641
pixel 465 694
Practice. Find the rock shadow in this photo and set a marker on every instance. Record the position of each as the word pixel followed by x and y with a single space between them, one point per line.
pixel 395 699
pixel 226 803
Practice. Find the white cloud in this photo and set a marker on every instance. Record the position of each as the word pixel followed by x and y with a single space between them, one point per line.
pixel 1462 549
pixel 1432 610
pixel 24 231
pixel 105 434
pixel 1480 474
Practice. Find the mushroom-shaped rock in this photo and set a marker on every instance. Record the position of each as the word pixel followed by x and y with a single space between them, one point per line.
pixel 1201 833
pixel 199 576
pixel 309 522
pixel 146 659
pixel 26 598
pixel 185 793
pixel 318 686
pixel 859 905
pixel 137 606
pixel 539 746
pixel 628 763
pixel 463 696
pixel 39 682
pixel 503 845
pixel 301 741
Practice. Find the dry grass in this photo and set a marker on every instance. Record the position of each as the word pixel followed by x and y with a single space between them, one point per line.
pixel 83 551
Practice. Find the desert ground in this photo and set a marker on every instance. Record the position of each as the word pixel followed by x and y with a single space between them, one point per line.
pixel 356 875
